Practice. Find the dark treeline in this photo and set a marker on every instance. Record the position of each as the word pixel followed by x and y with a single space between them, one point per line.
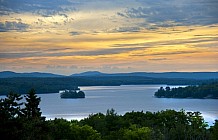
pixel 201 91
pixel 72 94
pixel 23 121
pixel 53 85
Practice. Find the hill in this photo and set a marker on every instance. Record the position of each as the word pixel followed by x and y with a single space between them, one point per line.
pixel 90 73
pixel 183 75
pixel 10 74
pixel 52 83
pixel 174 75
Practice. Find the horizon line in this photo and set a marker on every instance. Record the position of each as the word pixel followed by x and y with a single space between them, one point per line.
pixel 109 73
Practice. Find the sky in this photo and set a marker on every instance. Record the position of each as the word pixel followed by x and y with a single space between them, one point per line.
pixel 72 36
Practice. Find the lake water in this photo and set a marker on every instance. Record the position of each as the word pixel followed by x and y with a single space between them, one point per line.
pixel 122 99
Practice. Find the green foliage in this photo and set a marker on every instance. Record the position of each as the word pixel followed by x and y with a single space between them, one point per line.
pixel 169 124
pixel 134 133
pixel 26 123
pixel 97 121
pixel 214 131
pixel 10 107
pixel 32 110
pixel 34 129
pixel 63 129
pixel 17 122
pixel 10 116
pixel 201 91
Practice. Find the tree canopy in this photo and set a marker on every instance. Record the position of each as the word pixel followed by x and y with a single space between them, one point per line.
pixel 201 91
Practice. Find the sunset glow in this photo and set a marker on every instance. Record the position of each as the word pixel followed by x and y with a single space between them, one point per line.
pixel 67 36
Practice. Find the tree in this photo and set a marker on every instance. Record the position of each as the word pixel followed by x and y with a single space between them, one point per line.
pixel 10 107
pixel 81 94
pixel 134 133
pixel 112 120
pixel 214 132
pixel 32 110
pixel 63 129
pixel 10 114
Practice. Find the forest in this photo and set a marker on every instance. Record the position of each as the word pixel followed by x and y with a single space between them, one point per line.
pixel 198 91
pixel 24 121
pixel 53 85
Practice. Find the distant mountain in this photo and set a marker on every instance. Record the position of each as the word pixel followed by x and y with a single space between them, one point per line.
pixel 90 73
pixel 184 75
pixel 10 74
pixel 15 81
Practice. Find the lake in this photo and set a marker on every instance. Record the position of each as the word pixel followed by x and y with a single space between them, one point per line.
pixel 122 99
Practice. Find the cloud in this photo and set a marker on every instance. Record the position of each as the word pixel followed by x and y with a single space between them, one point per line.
pixel 147 45
pixel 167 53
pixel 107 51
pixel 42 7
pixel 152 44
pixel 213 46
pixel 158 59
pixel 49 8
pixel 55 67
pixel 56 53
pixel 176 52
pixel 13 26
pixel 197 40
pixel 57 49
pixel 185 12
pixel 73 67
pixel 122 14
pixel 126 29
pixel 20 54
pixel 41 53
pixel 75 33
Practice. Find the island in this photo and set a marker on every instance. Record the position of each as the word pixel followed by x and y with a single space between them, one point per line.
pixel 74 94
pixel 204 91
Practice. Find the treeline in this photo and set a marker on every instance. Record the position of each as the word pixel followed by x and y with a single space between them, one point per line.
pixel 23 121
pixel 72 94
pixel 201 91
pixel 42 85
pixel 53 85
